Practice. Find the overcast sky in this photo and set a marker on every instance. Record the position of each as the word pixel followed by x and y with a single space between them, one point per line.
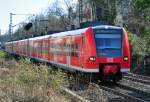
pixel 19 7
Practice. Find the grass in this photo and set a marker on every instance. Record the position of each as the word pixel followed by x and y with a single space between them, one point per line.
pixel 26 82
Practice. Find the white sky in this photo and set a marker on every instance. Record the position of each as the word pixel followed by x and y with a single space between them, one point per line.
pixel 19 7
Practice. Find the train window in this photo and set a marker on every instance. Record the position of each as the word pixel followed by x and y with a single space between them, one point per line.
pixel 64 49
pixel 52 47
pixel 72 50
pixel 77 47
pixel 45 48
pixel 55 46
pixel 40 47
pixel 64 46
pixel 108 42
pixel 68 49
pixel 59 49
pixel 76 52
pixel 72 46
pixel 82 41
pixel 55 49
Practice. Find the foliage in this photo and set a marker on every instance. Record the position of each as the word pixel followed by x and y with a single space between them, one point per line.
pixel 141 11
pixel 137 45
pixel 137 49
pixel 26 82
pixel 31 74
pixel 146 37
pixel 2 54
pixel 105 10
pixel 142 4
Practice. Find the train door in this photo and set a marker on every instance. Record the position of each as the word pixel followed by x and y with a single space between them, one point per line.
pixel 68 51
pixel 76 51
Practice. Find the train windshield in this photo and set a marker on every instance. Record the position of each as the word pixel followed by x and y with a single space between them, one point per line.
pixel 108 42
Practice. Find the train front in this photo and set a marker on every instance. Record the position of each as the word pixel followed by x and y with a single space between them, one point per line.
pixel 112 51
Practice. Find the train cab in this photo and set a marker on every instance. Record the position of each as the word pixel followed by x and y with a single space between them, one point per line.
pixel 111 53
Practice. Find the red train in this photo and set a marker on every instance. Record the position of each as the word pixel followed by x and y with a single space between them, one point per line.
pixel 102 50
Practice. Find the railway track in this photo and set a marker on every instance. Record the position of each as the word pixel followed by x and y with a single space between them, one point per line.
pixel 126 90
pixel 136 85
pixel 129 93
pixel 135 92
pixel 137 78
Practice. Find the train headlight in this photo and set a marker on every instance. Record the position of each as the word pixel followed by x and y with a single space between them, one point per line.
pixel 125 58
pixel 92 58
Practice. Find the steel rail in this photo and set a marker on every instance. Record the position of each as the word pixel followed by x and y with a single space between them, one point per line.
pixel 136 79
pixel 127 87
pixel 138 76
pixel 129 97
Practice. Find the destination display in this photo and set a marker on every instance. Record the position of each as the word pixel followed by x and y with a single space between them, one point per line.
pixel 107 31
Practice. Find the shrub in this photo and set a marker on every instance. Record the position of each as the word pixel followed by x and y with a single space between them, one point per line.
pixel 28 82
pixel 146 38
pixel 138 51
pixel 2 54
pixel 137 45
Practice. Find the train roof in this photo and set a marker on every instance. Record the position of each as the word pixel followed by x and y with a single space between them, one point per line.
pixel 60 34
pixel 106 27
pixel 73 32
pixel 39 37
pixel 67 33
pixel 79 31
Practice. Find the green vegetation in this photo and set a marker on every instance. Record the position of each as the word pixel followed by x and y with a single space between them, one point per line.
pixel 137 49
pixel 141 5
pixel 2 54
pixel 137 45
pixel 31 74
pixel 26 82
pixel 146 38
